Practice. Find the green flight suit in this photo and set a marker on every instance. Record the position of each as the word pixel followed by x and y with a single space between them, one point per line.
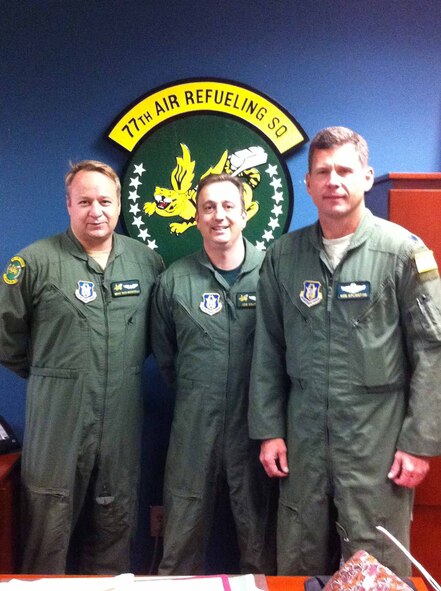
pixel 347 368
pixel 202 336
pixel 79 335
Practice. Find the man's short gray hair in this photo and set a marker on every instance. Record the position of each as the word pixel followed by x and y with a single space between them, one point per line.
pixel 332 137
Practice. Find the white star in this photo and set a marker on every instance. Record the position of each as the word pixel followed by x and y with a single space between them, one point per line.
pixel 273 223
pixel 137 221
pixel 277 197
pixel 277 210
pixel 143 234
pixel 139 169
pixel 135 209
pixel 276 183
pixel 152 244
pixel 133 195
pixel 260 245
pixel 268 235
pixel 135 182
pixel 271 170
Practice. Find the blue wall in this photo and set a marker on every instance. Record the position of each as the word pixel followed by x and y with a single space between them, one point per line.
pixel 69 67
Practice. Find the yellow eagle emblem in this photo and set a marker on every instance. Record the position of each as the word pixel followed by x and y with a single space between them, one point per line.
pixel 180 200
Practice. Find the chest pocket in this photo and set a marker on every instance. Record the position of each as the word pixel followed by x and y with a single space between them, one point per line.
pixel 377 347
pixel 55 316
pixel 298 332
pixel 190 321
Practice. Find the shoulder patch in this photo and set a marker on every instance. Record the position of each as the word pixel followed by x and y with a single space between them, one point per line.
pixel 425 261
pixel 14 270
pixel 426 265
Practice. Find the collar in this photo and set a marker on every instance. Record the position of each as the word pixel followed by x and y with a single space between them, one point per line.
pixel 360 236
pixel 71 243
pixel 253 258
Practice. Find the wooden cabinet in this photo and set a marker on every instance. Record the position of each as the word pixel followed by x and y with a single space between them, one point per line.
pixel 426 526
pixel 9 511
pixel 414 201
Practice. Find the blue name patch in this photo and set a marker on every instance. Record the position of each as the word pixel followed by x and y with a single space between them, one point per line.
pixel 354 290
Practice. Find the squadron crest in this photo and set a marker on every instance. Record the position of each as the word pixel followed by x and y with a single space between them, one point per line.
pixel 14 270
pixel 182 132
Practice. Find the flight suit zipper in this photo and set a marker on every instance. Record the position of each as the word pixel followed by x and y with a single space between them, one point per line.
pixel 228 302
pixel 329 291
pixel 106 301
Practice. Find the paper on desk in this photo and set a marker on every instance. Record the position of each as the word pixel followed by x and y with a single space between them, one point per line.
pixel 119 583
pixel 126 582
pixel 248 583
pixel 203 583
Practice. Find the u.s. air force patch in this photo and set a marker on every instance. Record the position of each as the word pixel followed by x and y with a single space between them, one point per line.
pixel 211 303
pixel 86 291
pixel 14 270
pixel 311 294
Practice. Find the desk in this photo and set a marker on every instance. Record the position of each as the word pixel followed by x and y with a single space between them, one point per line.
pixel 274 583
pixel 9 482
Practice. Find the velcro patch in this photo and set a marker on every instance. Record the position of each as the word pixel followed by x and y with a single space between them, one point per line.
pixel 246 299
pixel 128 287
pixel 14 270
pixel 354 290
pixel 425 261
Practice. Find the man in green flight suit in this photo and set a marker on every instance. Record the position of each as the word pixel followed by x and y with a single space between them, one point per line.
pixel 202 333
pixel 345 390
pixel 73 322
